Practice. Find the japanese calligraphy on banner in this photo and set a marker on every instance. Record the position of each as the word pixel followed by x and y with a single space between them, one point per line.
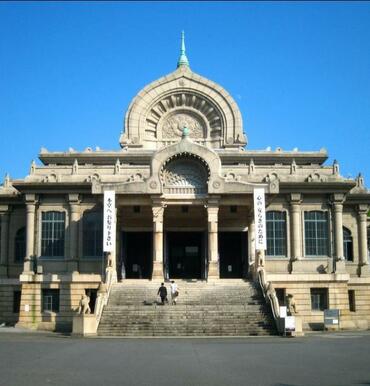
pixel 109 234
pixel 260 218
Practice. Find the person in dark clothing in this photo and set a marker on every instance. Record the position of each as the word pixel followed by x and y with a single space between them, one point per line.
pixel 162 292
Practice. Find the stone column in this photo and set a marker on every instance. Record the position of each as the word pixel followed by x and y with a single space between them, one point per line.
pixel 296 261
pixel 362 233
pixel 339 263
pixel 4 214
pixel 338 237
pixel 213 266
pixel 158 214
pixel 30 234
pixel 296 229
pixel 74 205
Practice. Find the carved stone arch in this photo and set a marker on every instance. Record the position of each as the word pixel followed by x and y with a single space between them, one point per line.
pixel 185 149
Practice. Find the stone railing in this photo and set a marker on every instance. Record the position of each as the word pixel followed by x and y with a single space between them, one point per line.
pixel 269 294
pixel 103 294
pixel 85 324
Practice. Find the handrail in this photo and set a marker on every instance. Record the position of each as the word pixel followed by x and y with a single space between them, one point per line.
pixel 269 294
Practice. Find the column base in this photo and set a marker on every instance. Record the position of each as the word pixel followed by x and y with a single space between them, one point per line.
pixel 364 270
pixel 213 271
pixel 340 266
pixel 158 270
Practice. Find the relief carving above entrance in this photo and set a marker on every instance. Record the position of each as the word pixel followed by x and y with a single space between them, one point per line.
pixel 184 175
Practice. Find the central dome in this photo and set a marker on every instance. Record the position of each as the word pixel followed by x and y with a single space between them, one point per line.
pixel 157 115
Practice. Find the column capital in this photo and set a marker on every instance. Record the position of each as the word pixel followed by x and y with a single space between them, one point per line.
pixel 362 209
pixel 158 212
pixel 295 198
pixel 30 199
pixel 337 198
pixel 74 198
pixel 4 209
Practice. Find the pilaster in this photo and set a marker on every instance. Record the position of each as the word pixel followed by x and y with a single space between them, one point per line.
pixel 337 203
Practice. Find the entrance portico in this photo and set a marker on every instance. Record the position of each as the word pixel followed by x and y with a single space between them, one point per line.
pixel 180 203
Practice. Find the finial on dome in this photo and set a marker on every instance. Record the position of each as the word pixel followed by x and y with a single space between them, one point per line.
pixel 183 60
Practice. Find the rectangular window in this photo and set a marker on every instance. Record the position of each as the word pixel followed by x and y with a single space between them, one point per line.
pixel 92 226
pixel 16 301
pixel 319 299
pixel 316 233
pixel 137 209
pixel 352 300
pixel 50 300
pixel 276 233
pixel 52 234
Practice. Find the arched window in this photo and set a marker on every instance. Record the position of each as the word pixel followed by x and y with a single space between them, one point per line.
pixel 20 245
pixel 316 233
pixel 92 234
pixel 52 234
pixel 276 233
pixel 347 244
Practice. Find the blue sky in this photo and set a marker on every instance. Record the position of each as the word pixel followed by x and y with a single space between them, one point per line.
pixel 299 71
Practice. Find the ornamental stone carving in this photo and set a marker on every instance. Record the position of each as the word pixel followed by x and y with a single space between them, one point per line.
pixel 184 176
pixel 173 126
pixel 171 114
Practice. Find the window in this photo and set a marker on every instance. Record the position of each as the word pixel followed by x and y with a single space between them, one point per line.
pixel 50 300
pixel 351 300
pixel 316 233
pixel 20 245
pixel 137 209
pixel 16 302
pixel 92 234
pixel 347 244
pixel 319 299
pixel 52 234
pixel 276 233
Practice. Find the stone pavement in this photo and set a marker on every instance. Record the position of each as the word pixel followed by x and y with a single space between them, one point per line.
pixel 330 359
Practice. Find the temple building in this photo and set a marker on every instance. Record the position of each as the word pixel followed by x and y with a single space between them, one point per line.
pixel 183 180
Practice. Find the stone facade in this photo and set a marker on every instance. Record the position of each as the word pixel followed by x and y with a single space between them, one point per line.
pixel 183 168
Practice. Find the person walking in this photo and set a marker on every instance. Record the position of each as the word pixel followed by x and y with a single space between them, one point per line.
pixel 174 292
pixel 162 292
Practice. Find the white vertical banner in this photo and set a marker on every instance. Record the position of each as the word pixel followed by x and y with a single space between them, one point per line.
pixel 109 225
pixel 260 218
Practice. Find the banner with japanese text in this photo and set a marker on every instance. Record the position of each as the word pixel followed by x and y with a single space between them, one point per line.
pixel 109 224
pixel 260 217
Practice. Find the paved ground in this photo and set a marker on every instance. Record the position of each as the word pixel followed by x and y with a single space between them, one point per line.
pixel 330 359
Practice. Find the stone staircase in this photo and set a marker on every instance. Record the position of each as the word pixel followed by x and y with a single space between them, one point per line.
pixel 218 308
